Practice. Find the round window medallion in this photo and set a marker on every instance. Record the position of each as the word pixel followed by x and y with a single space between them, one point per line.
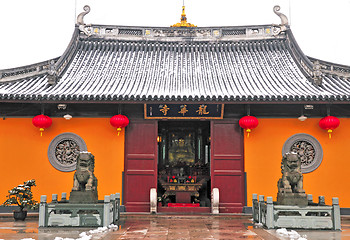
pixel 64 150
pixel 308 149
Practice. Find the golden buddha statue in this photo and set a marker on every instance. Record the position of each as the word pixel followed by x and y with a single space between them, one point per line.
pixel 182 152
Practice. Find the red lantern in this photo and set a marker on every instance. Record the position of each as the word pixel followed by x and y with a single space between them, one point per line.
pixel 329 123
pixel 248 123
pixel 119 121
pixel 42 121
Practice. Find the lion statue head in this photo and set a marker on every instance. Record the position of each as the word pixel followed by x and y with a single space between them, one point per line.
pixel 85 161
pixel 291 162
pixel 84 178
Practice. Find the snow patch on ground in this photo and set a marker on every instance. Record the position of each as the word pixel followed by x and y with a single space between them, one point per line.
pixel 87 235
pixel 290 234
pixel 144 231
pixel 258 224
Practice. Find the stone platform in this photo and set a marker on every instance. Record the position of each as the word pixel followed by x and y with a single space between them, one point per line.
pixel 313 216
pixel 66 214
pixel 83 197
pixel 292 199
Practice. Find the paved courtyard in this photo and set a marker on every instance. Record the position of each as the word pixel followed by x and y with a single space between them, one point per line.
pixel 164 227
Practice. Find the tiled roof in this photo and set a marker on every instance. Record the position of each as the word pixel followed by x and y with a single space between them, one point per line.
pixel 266 68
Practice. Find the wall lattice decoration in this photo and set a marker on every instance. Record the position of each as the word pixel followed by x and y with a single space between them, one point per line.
pixel 308 149
pixel 64 150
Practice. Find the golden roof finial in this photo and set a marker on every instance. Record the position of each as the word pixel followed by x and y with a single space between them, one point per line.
pixel 183 19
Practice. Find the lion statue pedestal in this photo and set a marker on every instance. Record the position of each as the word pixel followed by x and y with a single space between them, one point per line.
pixel 290 186
pixel 85 183
pixel 295 209
pixel 83 208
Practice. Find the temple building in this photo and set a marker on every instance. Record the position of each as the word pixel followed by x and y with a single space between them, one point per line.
pixel 184 90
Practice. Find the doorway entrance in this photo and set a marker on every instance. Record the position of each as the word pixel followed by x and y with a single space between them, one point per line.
pixel 208 152
pixel 184 164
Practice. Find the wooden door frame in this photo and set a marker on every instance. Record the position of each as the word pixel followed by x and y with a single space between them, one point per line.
pixel 238 174
pixel 133 205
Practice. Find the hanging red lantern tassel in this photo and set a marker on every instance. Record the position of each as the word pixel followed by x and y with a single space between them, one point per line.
pixel 248 123
pixel 119 121
pixel 329 123
pixel 42 121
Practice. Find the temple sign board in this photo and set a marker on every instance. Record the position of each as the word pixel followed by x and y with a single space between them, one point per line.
pixel 183 111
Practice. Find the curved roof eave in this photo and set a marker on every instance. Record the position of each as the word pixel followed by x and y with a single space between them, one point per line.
pixel 55 66
pixel 51 71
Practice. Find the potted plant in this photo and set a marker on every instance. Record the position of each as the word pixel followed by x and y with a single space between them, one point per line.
pixel 23 197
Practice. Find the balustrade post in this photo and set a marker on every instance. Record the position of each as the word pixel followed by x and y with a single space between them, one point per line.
pixel 321 201
pixel 54 198
pixel 64 197
pixel 309 198
pixel 114 207
pixel 261 201
pixel 106 211
pixel 43 211
pixel 336 214
pixel 117 200
pixel 269 213
pixel 255 203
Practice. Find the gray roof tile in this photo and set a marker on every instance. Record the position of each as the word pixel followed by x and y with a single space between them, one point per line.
pixel 244 70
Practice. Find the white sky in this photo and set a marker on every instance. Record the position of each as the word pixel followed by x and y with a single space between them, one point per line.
pixel 38 30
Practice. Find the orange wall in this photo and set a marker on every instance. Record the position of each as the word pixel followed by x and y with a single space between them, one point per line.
pixel 263 154
pixel 23 155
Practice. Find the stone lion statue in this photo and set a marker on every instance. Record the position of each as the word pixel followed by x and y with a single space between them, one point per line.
pixel 84 178
pixel 292 178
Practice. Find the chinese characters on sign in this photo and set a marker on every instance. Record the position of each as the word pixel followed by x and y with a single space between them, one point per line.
pixel 202 110
pixel 184 111
pixel 165 110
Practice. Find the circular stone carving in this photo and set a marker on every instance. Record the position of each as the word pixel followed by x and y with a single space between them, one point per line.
pixel 308 149
pixel 64 150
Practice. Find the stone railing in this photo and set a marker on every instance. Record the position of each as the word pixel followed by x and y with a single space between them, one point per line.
pixel 313 216
pixel 65 214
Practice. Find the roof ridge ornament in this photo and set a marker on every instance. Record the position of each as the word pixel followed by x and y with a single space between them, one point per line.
pixel 85 28
pixel 183 20
pixel 284 21
pixel 317 73
pixel 52 76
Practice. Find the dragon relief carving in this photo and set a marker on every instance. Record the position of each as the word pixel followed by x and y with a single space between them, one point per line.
pixel 305 151
pixel 67 152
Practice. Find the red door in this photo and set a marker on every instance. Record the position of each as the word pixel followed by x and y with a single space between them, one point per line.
pixel 140 164
pixel 227 164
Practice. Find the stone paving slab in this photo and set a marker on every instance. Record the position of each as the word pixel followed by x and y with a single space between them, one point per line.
pixel 165 227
